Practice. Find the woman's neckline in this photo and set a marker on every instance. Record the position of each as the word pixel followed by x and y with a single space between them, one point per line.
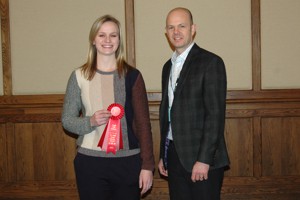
pixel 105 73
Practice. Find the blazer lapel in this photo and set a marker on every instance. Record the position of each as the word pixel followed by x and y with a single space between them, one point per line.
pixel 165 81
pixel 184 73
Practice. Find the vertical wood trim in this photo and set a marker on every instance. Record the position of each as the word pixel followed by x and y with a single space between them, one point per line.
pixel 257 147
pixel 130 32
pixel 5 41
pixel 11 162
pixel 256 45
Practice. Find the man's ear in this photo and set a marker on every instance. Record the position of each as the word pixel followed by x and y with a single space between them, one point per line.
pixel 193 30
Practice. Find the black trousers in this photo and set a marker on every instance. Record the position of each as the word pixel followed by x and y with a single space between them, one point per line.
pixel 107 178
pixel 181 187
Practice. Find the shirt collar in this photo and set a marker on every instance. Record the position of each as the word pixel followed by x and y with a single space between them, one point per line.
pixel 181 58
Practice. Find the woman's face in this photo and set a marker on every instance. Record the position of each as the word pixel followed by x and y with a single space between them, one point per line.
pixel 107 39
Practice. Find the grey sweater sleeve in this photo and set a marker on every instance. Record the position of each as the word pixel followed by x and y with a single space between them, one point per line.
pixel 73 118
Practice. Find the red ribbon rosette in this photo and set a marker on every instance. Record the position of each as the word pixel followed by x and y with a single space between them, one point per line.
pixel 111 139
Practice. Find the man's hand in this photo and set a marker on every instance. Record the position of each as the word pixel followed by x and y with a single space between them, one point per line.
pixel 200 172
pixel 161 168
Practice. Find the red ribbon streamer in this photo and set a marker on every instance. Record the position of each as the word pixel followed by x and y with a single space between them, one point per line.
pixel 111 139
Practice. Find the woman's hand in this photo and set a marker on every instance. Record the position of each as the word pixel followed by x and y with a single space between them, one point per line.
pixel 146 179
pixel 100 117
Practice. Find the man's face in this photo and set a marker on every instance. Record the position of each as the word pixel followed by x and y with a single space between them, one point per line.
pixel 179 30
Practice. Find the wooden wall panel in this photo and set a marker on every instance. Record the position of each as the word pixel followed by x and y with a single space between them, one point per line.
pixel 239 137
pixel 24 159
pixel 38 155
pixel 43 152
pixel 3 153
pixel 281 146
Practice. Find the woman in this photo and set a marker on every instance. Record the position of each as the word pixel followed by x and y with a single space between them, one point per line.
pixel 115 151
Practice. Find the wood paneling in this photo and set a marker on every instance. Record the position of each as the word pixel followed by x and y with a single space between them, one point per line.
pixel 5 43
pixel 43 152
pixel 3 153
pixel 262 137
pixel 281 146
pixel 256 45
pixel 239 134
pixel 130 32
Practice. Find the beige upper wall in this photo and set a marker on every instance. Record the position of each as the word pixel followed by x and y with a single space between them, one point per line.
pixel 223 27
pixel 50 38
pixel 280 44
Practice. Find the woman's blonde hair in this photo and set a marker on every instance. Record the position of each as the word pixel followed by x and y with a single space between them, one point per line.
pixel 89 68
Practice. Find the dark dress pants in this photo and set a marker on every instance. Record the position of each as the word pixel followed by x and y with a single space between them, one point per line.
pixel 107 178
pixel 181 187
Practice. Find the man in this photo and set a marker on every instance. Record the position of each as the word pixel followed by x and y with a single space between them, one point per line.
pixel 192 115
